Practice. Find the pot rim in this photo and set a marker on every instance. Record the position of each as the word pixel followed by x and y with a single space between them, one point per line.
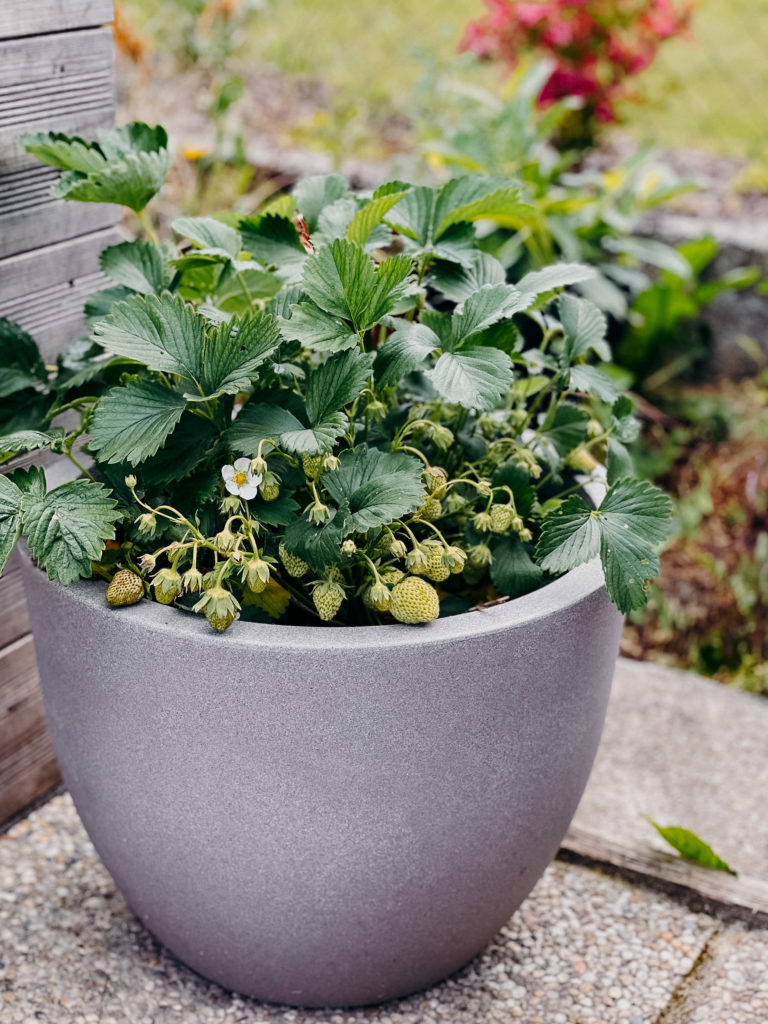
pixel 150 616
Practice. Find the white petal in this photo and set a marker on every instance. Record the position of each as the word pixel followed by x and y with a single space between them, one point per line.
pixel 241 465
pixel 228 472
pixel 232 487
pixel 255 479
pixel 248 491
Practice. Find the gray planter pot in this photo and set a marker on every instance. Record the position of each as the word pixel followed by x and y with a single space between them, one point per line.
pixel 326 816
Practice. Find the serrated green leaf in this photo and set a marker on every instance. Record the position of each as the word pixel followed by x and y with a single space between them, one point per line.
pixel 405 350
pixel 632 521
pixel 585 328
pixel 476 196
pixel 619 462
pixel 68 527
pixel 234 351
pixel 476 377
pixel 274 241
pixel 209 234
pixel 11 499
pixel 559 275
pixel 513 571
pixel 29 440
pixel 131 181
pixel 457 282
pixel 133 421
pixel 378 487
pixel 691 847
pixel 127 166
pixel 565 428
pixel 343 281
pixel 259 422
pixel 317 330
pixel 372 214
pixel 313 194
pixel 135 265
pixel 191 443
pixel 319 546
pixel 21 365
pixel 334 221
pixel 30 480
pixel 64 152
pixel 161 331
pixel 594 381
pixel 336 383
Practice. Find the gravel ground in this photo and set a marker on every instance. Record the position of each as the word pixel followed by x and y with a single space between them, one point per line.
pixel 583 949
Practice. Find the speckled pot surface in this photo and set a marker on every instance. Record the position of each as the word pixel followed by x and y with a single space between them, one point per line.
pixel 326 816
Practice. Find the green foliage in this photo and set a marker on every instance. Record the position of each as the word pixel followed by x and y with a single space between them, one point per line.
pixel 127 165
pixel 625 530
pixel 295 412
pixel 691 847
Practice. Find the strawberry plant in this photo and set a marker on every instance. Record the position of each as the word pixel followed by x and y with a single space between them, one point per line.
pixel 337 409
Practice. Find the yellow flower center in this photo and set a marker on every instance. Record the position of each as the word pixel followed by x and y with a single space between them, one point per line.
pixel 241 478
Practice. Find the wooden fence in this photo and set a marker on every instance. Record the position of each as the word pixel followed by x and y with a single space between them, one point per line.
pixel 56 73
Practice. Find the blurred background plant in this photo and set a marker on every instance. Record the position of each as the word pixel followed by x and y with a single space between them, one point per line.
pixel 598 46
pixel 258 94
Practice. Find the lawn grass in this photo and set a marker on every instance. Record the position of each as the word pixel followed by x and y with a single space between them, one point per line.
pixel 709 91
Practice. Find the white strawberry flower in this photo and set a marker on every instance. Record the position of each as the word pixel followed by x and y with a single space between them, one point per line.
pixel 241 480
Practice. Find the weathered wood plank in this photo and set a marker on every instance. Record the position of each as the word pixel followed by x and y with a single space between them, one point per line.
pixel 38 16
pixel 742 898
pixel 30 217
pixel 27 762
pixel 55 82
pixel 14 617
pixel 44 290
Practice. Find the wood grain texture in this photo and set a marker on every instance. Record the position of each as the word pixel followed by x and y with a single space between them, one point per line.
pixel 27 762
pixel 740 899
pixel 44 290
pixel 35 17
pixel 53 82
pixel 30 217
pixel 14 617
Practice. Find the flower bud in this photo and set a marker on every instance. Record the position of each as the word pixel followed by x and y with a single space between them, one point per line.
pixel 330 463
pixel 376 411
pixel 147 523
pixel 348 547
pixel 225 540
pixel 319 513
pixel 258 466
pixel 482 522
pixel 130 481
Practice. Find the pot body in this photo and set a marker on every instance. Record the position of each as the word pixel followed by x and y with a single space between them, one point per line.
pixel 326 816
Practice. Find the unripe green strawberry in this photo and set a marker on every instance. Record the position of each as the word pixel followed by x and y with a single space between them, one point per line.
pixel 581 460
pixel 327 598
pixel 436 480
pixel 334 574
pixel 456 559
pixel 294 565
pixel 392 576
pixel 380 597
pixel 220 607
pixel 482 522
pixel 192 581
pixel 414 600
pixel 480 555
pixel 167 584
pixel 431 509
pixel 269 488
pixel 501 518
pixel 436 569
pixel 124 589
pixel 312 465
pixel 416 559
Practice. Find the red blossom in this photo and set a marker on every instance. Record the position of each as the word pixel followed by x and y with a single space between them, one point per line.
pixel 596 44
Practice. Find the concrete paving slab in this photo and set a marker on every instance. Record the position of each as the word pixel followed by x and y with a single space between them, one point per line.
pixel 728 984
pixel 685 751
pixel 584 949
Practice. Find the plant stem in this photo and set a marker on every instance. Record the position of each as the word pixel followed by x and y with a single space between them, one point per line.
pixel 146 225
